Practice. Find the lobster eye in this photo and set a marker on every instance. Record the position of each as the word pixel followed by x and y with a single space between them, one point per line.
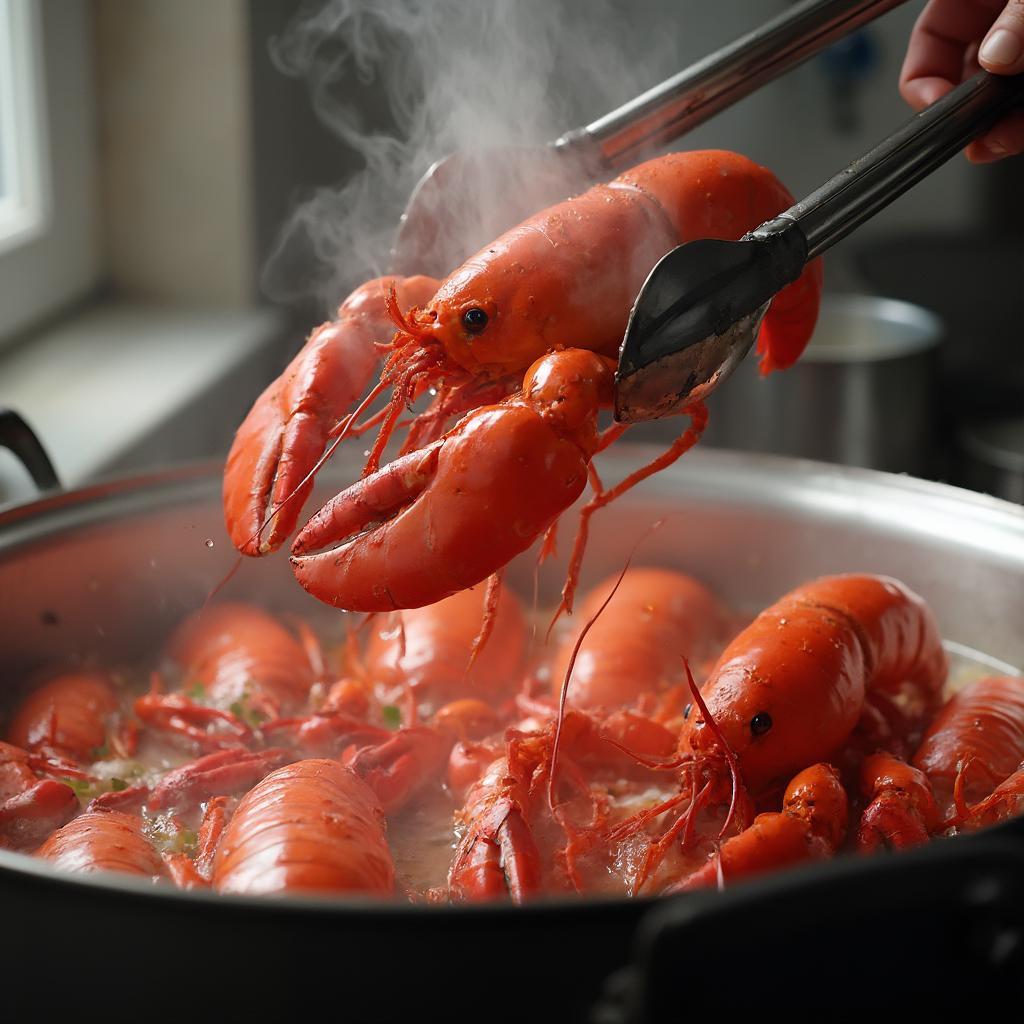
pixel 686 711
pixel 760 723
pixel 474 320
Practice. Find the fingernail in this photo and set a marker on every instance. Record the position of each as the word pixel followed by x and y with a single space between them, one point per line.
pixel 1002 47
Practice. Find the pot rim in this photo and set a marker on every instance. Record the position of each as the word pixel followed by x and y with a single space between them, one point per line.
pixel 790 483
pixel 921 330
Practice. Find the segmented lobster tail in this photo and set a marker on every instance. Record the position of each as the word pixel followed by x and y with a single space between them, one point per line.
pixel 718 194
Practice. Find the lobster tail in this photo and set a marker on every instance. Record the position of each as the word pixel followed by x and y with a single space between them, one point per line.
pixel 718 194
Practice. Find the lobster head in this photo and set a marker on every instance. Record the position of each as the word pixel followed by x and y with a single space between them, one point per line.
pixel 793 704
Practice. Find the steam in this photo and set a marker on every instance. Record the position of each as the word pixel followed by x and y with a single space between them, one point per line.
pixel 404 82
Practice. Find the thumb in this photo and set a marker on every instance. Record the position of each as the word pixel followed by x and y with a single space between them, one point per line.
pixel 1002 50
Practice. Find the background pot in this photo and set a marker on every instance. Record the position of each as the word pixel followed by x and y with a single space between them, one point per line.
pixel 992 456
pixel 863 393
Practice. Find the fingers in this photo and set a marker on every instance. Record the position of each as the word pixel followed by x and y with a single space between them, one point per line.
pixel 1002 50
pixel 923 92
pixel 944 50
pixel 939 43
pixel 1005 139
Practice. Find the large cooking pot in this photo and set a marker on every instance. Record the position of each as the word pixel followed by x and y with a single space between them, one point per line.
pixel 108 570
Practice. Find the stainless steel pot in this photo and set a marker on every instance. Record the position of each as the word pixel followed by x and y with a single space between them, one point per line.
pixel 106 571
pixel 861 395
pixel 993 456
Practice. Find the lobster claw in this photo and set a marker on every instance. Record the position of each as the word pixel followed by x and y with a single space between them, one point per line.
pixel 268 476
pixel 286 431
pixel 441 519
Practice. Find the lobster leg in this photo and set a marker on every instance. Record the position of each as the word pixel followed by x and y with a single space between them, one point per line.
pixel 810 826
pixel 500 859
pixel 180 715
pixel 1005 801
pixel 698 421
pixel 902 811
pixel 194 873
pixel 399 767
pixel 215 820
pixel 226 771
pixel 491 597
pixel 326 733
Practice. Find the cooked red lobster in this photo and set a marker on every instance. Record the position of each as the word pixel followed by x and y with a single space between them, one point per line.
pixel 310 826
pixel 594 766
pixel 520 341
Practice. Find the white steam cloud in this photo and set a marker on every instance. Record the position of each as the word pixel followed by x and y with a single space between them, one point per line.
pixel 404 82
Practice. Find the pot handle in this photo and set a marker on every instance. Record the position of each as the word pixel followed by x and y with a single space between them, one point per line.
pixel 20 438
pixel 836 934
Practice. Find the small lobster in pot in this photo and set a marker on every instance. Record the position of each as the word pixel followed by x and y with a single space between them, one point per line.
pixel 520 342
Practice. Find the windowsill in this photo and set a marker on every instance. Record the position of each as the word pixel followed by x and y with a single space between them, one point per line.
pixel 124 385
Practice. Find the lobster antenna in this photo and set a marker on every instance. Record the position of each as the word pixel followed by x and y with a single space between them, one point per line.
pixel 564 692
pixel 548 548
pixel 734 768
pixel 229 576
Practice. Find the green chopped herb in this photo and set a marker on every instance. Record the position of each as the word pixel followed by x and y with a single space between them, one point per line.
pixel 184 841
pixel 99 753
pixel 251 716
pixel 117 785
pixel 82 787
pixel 392 716
pixel 196 692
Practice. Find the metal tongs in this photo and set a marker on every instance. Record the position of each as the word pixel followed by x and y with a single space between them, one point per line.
pixel 700 309
pixel 470 197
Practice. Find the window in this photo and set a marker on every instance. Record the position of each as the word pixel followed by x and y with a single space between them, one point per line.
pixel 24 195
pixel 49 244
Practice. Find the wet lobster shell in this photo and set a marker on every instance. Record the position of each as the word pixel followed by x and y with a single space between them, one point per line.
pixel 110 570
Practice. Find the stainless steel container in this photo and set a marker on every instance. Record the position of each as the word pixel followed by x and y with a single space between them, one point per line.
pixel 992 457
pixel 861 395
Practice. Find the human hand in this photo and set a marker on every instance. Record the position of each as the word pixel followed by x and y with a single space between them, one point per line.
pixel 952 40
